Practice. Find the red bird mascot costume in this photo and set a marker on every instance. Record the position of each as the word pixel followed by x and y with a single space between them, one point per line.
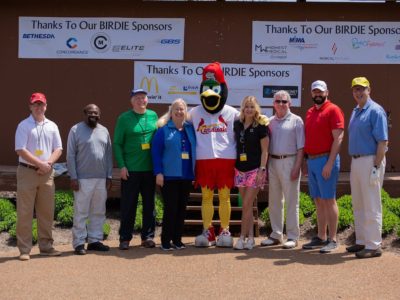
pixel 215 154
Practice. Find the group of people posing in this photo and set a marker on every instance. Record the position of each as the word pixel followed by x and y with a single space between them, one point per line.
pixel 216 147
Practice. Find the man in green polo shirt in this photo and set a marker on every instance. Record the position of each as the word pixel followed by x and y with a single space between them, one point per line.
pixel 132 139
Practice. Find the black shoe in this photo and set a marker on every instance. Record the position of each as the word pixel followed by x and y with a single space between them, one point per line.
pixel 368 253
pixel 124 245
pixel 355 248
pixel 149 243
pixel 98 246
pixel 80 250
pixel 166 247
pixel 179 245
pixel 316 242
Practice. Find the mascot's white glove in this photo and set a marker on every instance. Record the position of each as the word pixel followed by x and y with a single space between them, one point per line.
pixel 374 176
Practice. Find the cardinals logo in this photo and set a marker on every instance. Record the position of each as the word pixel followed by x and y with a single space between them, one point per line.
pixel 221 126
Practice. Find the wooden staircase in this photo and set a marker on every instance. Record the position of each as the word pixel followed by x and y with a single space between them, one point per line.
pixel 194 221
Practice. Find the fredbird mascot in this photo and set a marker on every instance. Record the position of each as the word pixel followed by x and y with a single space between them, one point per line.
pixel 215 154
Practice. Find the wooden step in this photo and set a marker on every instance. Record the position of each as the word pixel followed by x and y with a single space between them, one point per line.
pixel 233 208
pixel 232 222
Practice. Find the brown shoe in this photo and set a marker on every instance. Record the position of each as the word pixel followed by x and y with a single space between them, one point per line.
pixel 355 248
pixel 50 252
pixel 368 253
pixel 149 243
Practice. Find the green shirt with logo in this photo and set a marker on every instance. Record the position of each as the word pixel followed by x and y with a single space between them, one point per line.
pixel 132 139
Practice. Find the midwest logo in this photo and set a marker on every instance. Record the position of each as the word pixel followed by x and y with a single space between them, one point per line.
pixel 221 126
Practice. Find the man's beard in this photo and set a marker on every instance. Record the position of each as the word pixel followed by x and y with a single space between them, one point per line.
pixel 92 121
pixel 319 100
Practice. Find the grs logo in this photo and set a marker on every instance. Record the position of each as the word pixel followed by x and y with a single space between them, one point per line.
pixel 171 41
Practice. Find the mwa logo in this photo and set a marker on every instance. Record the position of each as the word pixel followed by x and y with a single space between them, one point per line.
pixel 149 83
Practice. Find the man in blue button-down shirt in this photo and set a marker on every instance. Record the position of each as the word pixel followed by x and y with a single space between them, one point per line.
pixel 368 139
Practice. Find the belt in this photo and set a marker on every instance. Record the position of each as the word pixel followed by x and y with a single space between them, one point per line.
pixel 281 156
pixel 317 155
pixel 359 155
pixel 28 166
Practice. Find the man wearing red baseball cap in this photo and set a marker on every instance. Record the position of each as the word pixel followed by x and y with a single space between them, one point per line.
pixel 38 145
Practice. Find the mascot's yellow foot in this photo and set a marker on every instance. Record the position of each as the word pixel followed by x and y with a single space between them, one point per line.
pixel 225 239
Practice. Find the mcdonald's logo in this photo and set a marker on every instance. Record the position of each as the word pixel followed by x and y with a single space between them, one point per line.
pixel 149 83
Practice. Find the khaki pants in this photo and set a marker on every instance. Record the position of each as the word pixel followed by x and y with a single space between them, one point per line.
pixel 367 202
pixel 34 191
pixel 283 190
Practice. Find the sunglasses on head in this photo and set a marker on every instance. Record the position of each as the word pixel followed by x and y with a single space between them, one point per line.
pixel 281 101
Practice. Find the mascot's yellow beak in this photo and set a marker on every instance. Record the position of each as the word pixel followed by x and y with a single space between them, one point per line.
pixel 207 94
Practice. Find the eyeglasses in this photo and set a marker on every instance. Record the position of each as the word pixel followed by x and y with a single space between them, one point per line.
pixel 281 101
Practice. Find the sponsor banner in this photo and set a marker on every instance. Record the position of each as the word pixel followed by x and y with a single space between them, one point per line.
pixel 101 38
pixel 166 81
pixel 326 42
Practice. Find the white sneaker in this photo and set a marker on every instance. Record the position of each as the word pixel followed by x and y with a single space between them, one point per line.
pixel 270 242
pixel 225 239
pixel 239 244
pixel 289 244
pixel 249 244
pixel 206 239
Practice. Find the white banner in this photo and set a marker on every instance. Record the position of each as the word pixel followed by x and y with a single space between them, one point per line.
pixel 326 42
pixel 101 38
pixel 166 81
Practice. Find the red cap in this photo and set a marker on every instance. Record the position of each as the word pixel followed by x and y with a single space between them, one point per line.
pixel 37 97
pixel 214 71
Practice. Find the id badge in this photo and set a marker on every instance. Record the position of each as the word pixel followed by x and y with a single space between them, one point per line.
pixel 243 157
pixel 185 155
pixel 146 146
pixel 38 152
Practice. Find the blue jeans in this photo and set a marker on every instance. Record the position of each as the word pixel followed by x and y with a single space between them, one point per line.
pixel 143 183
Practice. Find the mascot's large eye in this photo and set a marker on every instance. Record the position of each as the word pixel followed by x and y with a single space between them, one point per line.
pixel 217 89
pixel 204 88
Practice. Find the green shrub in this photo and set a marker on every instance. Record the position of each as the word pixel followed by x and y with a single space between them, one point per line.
pixel 302 218
pixel 6 208
pixel 63 199
pixel 66 216
pixel 139 215
pixel 314 218
pixel 385 196
pixel 346 218
pixel 267 221
pixel 345 202
pixel 159 209
pixel 264 216
pixel 13 231
pixel 393 204
pixel 390 221
pixel 8 221
pixel 106 230
pixel 306 204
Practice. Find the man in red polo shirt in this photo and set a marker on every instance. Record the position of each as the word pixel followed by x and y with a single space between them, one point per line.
pixel 324 128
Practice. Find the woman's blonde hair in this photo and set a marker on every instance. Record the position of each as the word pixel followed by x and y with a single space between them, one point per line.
pixel 167 116
pixel 257 115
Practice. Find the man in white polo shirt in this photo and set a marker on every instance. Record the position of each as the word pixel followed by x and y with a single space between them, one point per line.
pixel 38 145
pixel 284 164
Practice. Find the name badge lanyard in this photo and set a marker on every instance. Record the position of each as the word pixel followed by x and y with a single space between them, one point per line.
pixel 185 152
pixel 242 140
pixel 145 146
pixel 39 144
